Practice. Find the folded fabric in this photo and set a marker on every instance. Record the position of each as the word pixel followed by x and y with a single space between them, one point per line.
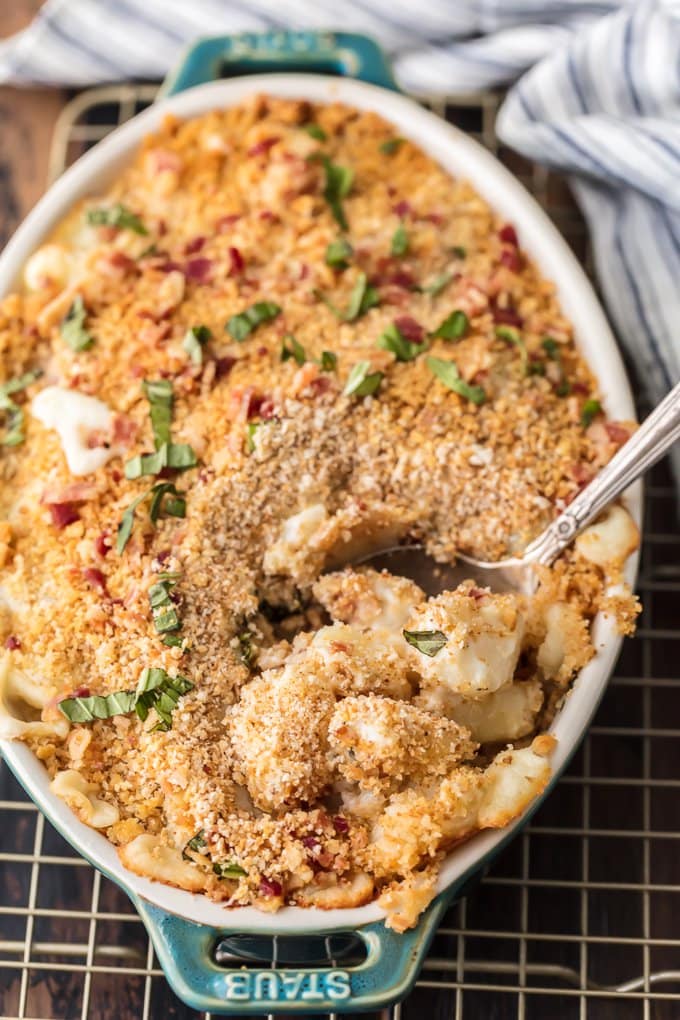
pixel 597 97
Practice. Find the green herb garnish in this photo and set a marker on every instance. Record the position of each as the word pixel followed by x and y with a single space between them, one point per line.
pixel 551 348
pixel 438 284
pixel 159 394
pixel 246 650
pixel 554 352
pixel 14 428
pixel 196 843
pixel 403 349
pixel 447 372
pixel 315 132
pixel 390 146
pixel 362 298
pixel 589 411
pixel 155 689
pixel 163 610
pixel 164 499
pixel 116 216
pixel 429 642
pixel 228 869
pixel 512 336
pixel 295 351
pixel 329 361
pixel 399 245
pixel 338 185
pixel 459 251
pixel 177 456
pixel 338 253
pixel 453 327
pixel 72 327
pixel 242 325
pixel 361 382
pixel 194 340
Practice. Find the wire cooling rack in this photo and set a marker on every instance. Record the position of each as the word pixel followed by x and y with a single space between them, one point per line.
pixel 579 918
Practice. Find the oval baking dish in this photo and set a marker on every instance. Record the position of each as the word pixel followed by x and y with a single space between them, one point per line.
pixel 186 927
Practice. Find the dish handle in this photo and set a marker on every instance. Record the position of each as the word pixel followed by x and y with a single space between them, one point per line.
pixel 186 952
pixel 345 54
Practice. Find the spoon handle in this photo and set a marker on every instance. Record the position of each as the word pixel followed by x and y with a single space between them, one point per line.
pixel 654 437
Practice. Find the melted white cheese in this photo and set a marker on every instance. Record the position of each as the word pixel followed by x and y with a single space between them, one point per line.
pixel 75 417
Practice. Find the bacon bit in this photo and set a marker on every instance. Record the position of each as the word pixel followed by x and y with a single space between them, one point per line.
pixel 312 843
pixel 507 316
pixel 409 328
pixel 223 366
pixel 80 692
pixel 102 544
pixel 341 824
pixel 97 439
pixel 116 264
pixel 579 388
pixel 237 263
pixel 63 514
pixel 339 646
pixel 116 475
pixel 320 385
pixel 304 271
pixel 124 430
pixel 170 266
pixel 402 208
pixel 267 214
pixel 224 222
pixel 191 247
pixel 581 474
pixel 394 296
pixel 75 492
pixel 12 644
pixel 512 259
pixel 435 218
pixel 477 593
pixel 401 278
pixel 508 235
pixel 158 160
pixel 270 887
pixel 263 146
pixel 153 333
pixel 267 409
pixel 618 433
pixel 96 579
pixel 199 270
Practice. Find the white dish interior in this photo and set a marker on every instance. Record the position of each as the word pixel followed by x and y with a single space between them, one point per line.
pixel 463 157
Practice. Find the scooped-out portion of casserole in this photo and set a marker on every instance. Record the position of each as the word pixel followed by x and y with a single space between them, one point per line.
pixel 285 337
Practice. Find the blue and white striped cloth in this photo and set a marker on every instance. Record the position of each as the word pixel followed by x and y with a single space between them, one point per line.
pixel 596 95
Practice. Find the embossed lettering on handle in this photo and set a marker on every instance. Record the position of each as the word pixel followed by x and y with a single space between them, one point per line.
pixel 288 986
pixel 654 437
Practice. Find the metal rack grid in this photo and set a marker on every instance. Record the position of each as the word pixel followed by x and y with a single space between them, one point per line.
pixel 579 918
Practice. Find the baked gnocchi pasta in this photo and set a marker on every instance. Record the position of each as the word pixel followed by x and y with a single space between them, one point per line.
pixel 284 338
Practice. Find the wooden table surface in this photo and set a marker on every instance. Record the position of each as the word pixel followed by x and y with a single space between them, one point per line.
pixel 27 118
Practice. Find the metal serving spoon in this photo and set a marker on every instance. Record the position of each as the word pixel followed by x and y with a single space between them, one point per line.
pixel 654 437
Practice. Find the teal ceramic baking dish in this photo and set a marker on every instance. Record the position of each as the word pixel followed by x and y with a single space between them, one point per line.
pixel 187 928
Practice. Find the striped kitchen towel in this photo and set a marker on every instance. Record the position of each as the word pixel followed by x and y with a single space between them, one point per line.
pixel 596 95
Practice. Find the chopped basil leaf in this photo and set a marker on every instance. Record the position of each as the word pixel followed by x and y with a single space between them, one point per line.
pixel 175 506
pixel 459 251
pixel 447 372
pixel 590 410
pixel 246 650
pixel 116 216
pixel 196 843
pixel 193 342
pixel 399 244
pixel 362 298
pixel 242 325
pixel 404 350
pixel 390 146
pixel 173 640
pixel 251 429
pixel 338 252
pixel 338 185
pixel 453 327
pixel 163 611
pixel 295 351
pixel 551 348
pixel 564 389
pixel 429 642
pixel 512 336
pixel 14 431
pixel 316 132
pixel 97 707
pixel 228 869
pixel 438 284
pixel 329 361
pixel 361 382
pixel 536 368
pixel 72 327
pixel 159 394
pixel 176 456
pixel 158 690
